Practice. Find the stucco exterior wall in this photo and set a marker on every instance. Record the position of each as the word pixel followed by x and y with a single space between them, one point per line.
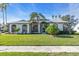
pixel 76 28
pixel 28 28
pixel 60 27
pixel 17 26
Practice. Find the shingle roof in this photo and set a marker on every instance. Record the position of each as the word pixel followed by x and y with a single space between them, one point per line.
pixel 20 21
pixel 24 21
pixel 59 20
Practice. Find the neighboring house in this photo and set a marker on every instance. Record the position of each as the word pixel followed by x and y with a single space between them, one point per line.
pixel 75 24
pixel 34 26
pixel 76 27
pixel 61 24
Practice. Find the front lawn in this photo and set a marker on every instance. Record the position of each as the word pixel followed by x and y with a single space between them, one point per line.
pixel 38 40
pixel 38 54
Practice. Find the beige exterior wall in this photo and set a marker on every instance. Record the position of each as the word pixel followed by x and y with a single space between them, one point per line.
pixel 28 28
pixel 60 26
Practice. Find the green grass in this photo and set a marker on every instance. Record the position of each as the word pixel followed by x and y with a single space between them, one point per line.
pixel 38 54
pixel 23 54
pixel 38 40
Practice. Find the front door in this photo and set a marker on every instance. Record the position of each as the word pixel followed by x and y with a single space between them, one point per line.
pixel 34 27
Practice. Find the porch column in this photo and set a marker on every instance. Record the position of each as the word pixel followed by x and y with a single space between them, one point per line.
pixel 20 27
pixel 28 28
pixel 38 27
pixel 10 28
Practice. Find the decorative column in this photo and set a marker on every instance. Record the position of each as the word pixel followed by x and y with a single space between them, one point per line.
pixel 28 28
pixel 10 28
pixel 20 27
pixel 39 28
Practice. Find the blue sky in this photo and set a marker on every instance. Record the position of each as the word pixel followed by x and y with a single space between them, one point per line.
pixel 19 11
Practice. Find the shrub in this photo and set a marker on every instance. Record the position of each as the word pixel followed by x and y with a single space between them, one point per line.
pixel 73 32
pixel 63 32
pixel 5 28
pixel 76 33
pixel 52 29
pixel 16 29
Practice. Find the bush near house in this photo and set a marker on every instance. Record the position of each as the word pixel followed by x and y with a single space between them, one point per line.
pixel 4 29
pixel 16 29
pixel 52 29
pixel 76 33
pixel 63 32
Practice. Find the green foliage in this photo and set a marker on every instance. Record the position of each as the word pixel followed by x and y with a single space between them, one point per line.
pixel 33 15
pixel 68 25
pixel 42 16
pixel 66 17
pixel 5 29
pixel 37 16
pixel 76 33
pixel 16 29
pixel 52 29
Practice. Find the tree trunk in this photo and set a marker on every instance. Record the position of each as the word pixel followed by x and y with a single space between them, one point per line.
pixel 3 15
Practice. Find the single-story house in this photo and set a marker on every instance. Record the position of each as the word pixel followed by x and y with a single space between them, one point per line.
pixel 35 26
pixel 76 28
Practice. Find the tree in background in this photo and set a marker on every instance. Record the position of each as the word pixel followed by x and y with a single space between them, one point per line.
pixel 71 21
pixel 5 29
pixel 67 18
pixel 37 17
pixel 3 7
pixel 52 29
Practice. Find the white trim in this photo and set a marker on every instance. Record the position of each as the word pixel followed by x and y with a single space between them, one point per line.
pixel 28 28
pixel 10 28
pixel 38 27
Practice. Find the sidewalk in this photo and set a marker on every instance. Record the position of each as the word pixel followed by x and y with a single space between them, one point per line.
pixel 39 48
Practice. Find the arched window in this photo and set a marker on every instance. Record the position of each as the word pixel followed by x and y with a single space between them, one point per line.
pixel 34 27
pixel 13 28
pixel 24 28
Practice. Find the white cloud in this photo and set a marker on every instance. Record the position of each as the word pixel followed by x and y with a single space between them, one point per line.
pixel 73 10
pixel 18 13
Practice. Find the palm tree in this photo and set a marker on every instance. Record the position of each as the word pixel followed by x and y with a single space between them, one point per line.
pixel 42 16
pixel 66 18
pixel 37 16
pixel 33 15
pixel 6 12
pixel 3 7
